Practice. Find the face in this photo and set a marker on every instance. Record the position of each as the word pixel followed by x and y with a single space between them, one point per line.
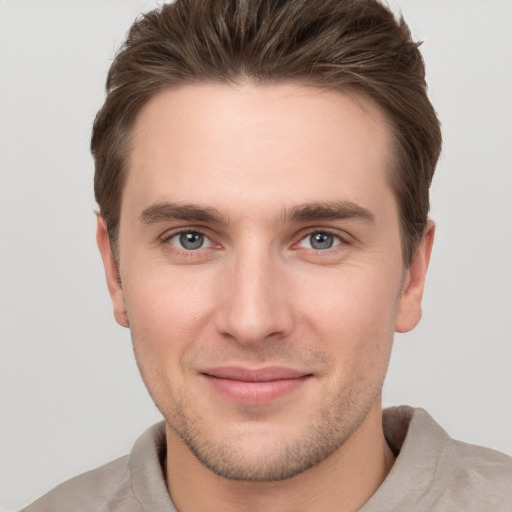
pixel 260 270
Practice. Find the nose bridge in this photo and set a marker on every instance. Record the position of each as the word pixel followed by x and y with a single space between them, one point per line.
pixel 254 305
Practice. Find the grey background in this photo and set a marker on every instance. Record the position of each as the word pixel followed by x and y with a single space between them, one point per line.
pixel 71 397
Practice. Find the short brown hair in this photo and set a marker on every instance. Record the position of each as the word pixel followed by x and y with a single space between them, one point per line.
pixel 337 44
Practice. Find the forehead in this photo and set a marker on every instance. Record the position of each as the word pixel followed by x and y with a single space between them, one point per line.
pixel 258 146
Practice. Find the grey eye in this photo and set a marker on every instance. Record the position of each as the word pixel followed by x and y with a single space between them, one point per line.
pixel 188 241
pixel 320 241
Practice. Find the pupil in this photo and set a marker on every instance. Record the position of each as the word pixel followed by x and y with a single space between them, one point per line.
pixel 321 241
pixel 191 240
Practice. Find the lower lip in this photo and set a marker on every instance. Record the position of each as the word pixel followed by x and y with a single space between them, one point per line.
pixel 255 393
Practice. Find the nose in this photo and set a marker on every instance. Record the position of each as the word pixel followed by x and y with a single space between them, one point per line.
pixel 255 304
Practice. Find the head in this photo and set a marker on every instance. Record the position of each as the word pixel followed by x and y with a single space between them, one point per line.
pixel 338 45
pixel 262 173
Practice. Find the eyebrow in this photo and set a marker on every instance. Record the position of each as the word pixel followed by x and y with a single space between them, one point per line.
pixel 162 212
pixel 336 210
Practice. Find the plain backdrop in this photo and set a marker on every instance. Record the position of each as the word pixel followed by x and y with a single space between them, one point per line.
pixel 71 396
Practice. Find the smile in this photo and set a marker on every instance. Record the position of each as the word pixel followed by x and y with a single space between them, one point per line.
pixel 254 387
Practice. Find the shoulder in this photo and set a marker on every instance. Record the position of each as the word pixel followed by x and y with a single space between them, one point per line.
pixel 89 491
pixel 460 465
pixel 119 486
pixel 434 472
pixel 475 476
pixel 462 476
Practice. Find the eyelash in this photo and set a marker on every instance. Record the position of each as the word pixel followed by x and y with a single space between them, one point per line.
pixel 341 240
pixel 168 236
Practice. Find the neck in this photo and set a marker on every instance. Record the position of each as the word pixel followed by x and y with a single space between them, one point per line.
pixel 343 482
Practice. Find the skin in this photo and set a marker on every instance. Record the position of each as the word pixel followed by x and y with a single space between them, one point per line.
pixel 267 173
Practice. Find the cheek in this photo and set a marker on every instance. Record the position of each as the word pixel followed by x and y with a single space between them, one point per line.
pixel 167 309
pixel 353 312
pixel 360 294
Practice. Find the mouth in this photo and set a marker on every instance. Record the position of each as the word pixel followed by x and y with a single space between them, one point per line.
pixel 254 386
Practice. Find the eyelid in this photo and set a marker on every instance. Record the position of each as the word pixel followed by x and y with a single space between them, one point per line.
pixel 205 242
pixel 306 242
pixel 343 237
pixel 171 233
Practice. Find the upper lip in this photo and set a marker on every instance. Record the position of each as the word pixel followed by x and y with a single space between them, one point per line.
pixel 266 374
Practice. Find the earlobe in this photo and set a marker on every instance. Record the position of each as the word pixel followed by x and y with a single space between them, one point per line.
pixel 111 272
pixel 409 310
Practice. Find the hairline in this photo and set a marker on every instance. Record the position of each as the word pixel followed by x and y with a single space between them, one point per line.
pixel 353 91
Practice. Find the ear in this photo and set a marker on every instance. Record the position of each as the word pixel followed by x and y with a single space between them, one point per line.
pixel 111 272
pixel 409 310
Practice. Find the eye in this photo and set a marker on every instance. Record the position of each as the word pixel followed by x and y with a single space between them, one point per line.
pixel 190 241
pixel 320 241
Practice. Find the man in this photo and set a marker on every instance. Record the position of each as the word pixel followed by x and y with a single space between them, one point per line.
pixel 262 175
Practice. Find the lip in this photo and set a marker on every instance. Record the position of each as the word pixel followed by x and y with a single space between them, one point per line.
pixel 259 386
